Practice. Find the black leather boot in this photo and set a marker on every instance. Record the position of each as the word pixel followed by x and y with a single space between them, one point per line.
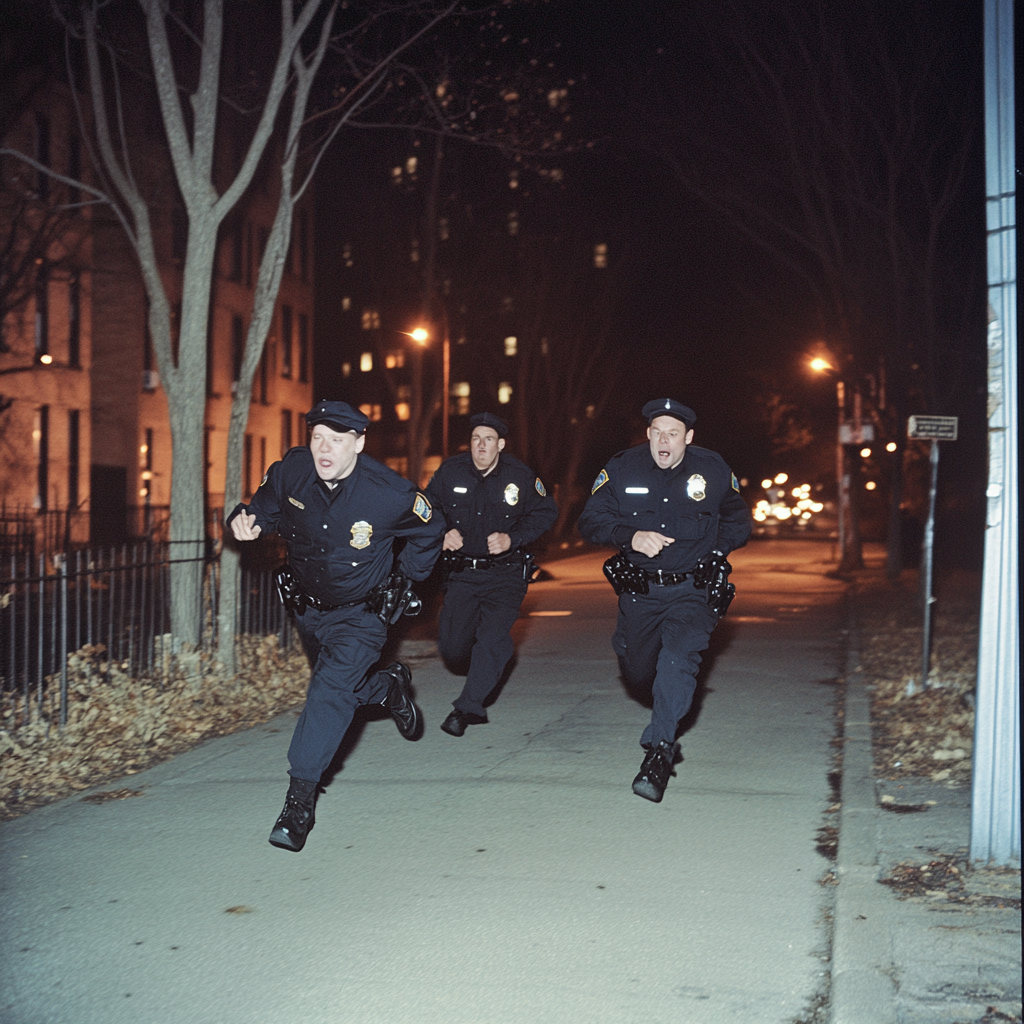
pixel 655 771
pixel 295 821
pixel 399 701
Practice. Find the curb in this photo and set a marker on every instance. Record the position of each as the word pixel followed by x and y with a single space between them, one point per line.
pixel 863 991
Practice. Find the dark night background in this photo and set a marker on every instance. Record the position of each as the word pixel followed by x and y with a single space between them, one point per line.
pixel 661 158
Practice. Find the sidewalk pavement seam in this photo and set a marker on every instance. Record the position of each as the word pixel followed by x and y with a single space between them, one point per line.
pixel 862 990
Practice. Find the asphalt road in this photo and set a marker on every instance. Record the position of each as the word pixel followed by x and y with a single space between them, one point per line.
pixel 508 876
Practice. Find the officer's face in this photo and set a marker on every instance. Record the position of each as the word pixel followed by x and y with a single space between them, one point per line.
pixel 334 452
pixel 669 438
pixel 484 444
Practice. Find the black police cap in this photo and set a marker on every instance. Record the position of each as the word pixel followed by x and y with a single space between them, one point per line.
pixel 338 416
pixel 488 419
pixel 669 407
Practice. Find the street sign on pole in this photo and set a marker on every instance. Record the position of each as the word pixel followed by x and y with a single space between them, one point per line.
pixel 935 429
pixel 932 428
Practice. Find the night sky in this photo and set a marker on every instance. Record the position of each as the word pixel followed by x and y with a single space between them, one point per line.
pixel 710 315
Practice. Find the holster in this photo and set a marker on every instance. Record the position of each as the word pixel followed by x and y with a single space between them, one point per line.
pixel 293 599
pixel 713 573
pixel 625 577
pixel 393 598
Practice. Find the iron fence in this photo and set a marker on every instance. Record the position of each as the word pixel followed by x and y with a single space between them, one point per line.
pixel 116 600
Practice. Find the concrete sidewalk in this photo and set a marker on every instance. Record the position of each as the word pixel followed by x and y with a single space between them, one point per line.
pixel 933 958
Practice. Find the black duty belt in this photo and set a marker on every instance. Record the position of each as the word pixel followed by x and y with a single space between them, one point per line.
pixel 456 562
pixel 667 579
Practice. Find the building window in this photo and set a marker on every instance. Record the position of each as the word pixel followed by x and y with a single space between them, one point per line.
pixel 237 250
pixel 371 412
pixel 443 229
pixel 74 167
pixel 371 320
pixel 366 362
pixel 394 360
pixel 179 232
pixel 74 422
pixel 346 304
pixel 286 341
pixel 511 346
pixel 42 458
pixel 248 254
pixel 74 320
pixel 237 349
pixel 601 255
pixel 247 466
pixel 458 395
pixel 347 254
pixel 286 431
pixel 414 251
pixel 513 222
pixel 303 246
pixel 346 369
pixel 303 348
pixel 505 393
pixel 43 155
pixel 42 325
pixel 402 410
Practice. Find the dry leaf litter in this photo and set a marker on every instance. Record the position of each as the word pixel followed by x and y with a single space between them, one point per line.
pixel 927 733
pixel 117 725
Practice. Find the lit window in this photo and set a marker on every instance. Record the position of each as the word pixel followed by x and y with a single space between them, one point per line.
pixel 504 393
pixel 395 360
pixel 370 320
pixel 396 175
pixel 402 410
pixel 346 304
pixel 506 304
pixel 414 252
pixel 366 362
pixel 590 412
pixel 346 369
pixel 375 413
pixel 443 229
pixel 410 166
pixel 347 253
pixel 555 96
pixel 513 222
pixel 513 178
pixel 544 346
pixel 366 409
pixel 601 255
pixel 511 347
pixel 459 394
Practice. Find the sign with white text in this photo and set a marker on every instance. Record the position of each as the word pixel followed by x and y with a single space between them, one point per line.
pixel 935 428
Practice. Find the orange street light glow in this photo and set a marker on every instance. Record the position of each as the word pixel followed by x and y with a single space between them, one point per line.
pixel 818 364
pixel 419 335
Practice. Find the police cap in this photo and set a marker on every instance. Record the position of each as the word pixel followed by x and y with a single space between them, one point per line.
pixel 669 407
pixel 338 416
pixel 488 419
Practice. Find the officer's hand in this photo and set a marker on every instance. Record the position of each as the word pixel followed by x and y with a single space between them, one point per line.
pixel 498 543
pixel 452 541
pixel 649 543
pixel 242 526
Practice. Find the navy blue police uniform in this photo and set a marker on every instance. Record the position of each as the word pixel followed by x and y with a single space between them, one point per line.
pixel 660 635
pixel 341 543
pixel 484 592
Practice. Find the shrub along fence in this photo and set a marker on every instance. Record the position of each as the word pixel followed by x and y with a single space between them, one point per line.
pixel 113 601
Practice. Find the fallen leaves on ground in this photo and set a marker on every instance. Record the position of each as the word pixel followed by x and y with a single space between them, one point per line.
pixel 948 878
pixel 118 726
pixel 926 733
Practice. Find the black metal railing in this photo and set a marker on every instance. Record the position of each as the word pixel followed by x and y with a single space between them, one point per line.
pixel 116 600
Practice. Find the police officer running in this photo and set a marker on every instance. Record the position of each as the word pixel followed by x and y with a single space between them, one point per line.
pixel 675 512
pixel 340 513
pixel 492 506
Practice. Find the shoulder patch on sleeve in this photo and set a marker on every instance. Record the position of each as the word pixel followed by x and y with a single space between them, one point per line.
pixel 602 479
pixel 735 482
pixel 540 488
pixel 422 508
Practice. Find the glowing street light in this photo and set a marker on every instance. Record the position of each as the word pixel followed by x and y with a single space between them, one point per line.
pixel 820 365
pixel 420 335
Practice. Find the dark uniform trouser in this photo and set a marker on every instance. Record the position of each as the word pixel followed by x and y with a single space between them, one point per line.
pixel 658 638
pixel 480 607
pixel 348 642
